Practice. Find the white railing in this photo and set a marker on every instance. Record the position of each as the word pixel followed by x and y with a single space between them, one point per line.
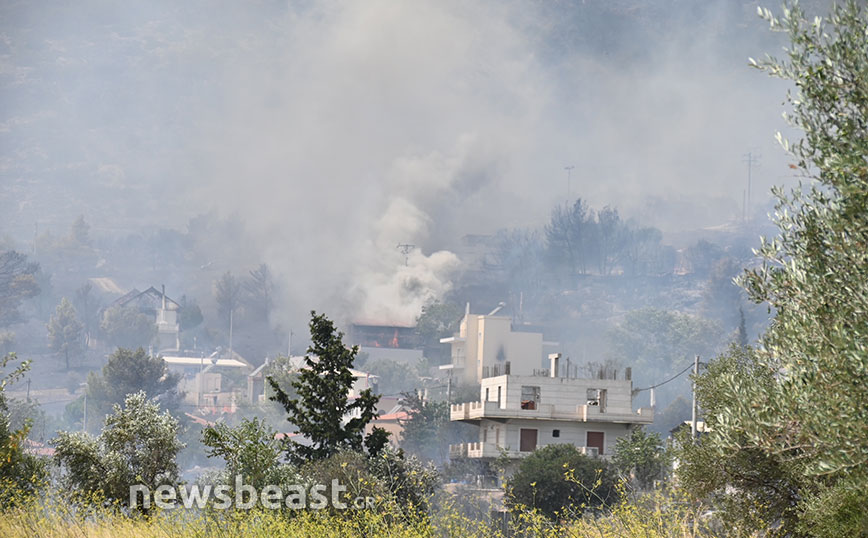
pixel 584 413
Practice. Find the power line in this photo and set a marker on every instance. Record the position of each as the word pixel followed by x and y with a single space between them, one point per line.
pixel 667 381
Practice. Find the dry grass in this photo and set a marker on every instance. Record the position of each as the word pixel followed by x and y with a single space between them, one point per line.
pixel 650 516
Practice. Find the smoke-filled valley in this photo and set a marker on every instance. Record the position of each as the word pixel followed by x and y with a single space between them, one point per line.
pixel 183 183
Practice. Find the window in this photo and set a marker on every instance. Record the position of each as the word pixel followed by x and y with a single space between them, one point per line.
pixel 498 396
pixel 486 394
pixel 556 433
pixel 530 398
pixel 597 397
pixel 484 435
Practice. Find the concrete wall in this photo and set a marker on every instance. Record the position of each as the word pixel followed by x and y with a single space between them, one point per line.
pixel 489 341
pixel 559 392
pixel 469 331
pixel 498 344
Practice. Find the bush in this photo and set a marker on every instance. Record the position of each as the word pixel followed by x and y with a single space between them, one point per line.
pixel 558 480
pixel 390 478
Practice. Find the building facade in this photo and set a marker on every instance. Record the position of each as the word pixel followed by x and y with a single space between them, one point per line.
pixel 488 346
pixel 517 414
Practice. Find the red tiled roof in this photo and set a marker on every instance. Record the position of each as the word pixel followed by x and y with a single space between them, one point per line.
pixel 401 415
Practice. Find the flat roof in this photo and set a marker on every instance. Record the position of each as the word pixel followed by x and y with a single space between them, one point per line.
pixel 197 361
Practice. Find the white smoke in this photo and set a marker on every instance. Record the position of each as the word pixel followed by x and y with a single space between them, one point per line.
pixel 392 286
pixel 336 130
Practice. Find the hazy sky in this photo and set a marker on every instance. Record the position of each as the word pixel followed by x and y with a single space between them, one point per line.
pixel 336 130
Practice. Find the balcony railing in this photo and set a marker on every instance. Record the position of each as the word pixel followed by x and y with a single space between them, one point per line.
pixel 482 450
pixel 581 413
pixel 491 450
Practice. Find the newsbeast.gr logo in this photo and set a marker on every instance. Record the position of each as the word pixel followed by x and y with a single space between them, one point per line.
pixel 274 497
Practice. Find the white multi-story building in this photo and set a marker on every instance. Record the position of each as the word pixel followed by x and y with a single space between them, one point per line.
pixel 488 346
pixel 517 414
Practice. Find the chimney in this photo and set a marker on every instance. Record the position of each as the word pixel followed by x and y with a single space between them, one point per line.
pixel 628 374
pixel 164 296
pixel 555 358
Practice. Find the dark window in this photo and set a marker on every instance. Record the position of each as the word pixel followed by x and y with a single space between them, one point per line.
pixel 597 397
pixel 556 433
pixel 530 398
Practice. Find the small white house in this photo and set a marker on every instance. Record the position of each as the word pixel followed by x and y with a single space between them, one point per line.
pixel 202 380
pixel 256 388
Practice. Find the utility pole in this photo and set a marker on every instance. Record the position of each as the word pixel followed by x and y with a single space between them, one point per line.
pixel 231 315
pixel 405 250
pixel 695 375
pixel 569 170
pixel 84 419
pixel 751 159
pixel 289 346
pixel 199 387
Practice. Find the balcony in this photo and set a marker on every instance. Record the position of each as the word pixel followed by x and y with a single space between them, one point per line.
pixel 483 450
pixel 492 451
pixel 473 411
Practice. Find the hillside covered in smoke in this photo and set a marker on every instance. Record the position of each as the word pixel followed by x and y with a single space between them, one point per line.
pixel 332 132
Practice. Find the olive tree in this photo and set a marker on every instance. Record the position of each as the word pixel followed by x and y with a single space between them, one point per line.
pixel 137 447
pixel 794 410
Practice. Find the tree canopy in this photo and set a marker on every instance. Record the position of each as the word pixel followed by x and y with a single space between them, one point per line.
pixel 791 417
pixel 322 410
pixel 249 449
pixel 129 371
pixel 64 331
pixel 557 479
pixel 17 282
pixel 425 430
pixel 125 326
pixel 21 473
pixel 138 446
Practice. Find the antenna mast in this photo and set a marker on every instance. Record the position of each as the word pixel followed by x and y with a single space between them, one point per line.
pixel 751 159
pixel 405 250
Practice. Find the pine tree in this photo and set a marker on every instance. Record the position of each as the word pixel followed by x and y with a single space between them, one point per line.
pixel 424 427
pixel 742 329
pixel 322 411
pixel 260 293
pixel 64 331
